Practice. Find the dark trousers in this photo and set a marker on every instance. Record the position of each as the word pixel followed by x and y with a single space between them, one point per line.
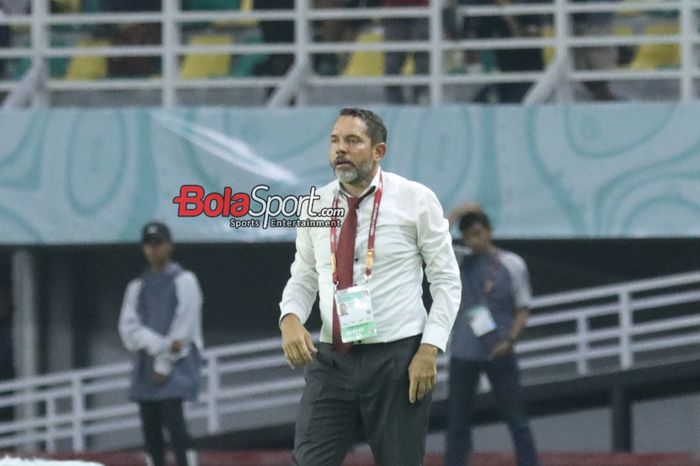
pixel 504 376
pixel 157 415
pixel 362 393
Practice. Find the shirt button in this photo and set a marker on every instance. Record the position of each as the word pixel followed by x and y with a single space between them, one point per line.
pixel 356 259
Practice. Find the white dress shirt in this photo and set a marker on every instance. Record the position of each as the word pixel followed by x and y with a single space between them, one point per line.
pixel 411 231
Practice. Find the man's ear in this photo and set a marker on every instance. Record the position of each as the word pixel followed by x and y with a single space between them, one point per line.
pixel 379 151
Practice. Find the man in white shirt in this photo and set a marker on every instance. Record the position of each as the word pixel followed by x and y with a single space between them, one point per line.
pixel 374 370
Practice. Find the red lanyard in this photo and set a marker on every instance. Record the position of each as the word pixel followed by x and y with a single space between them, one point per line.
pixel 370 238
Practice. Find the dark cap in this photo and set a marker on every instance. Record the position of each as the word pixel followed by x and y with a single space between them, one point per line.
pixel 155 231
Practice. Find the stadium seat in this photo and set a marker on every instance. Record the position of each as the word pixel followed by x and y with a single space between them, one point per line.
pixel 220 5
pixel 212 5
pixel 548 53
pixel 654 56
pixel 244 65
pixel 370 63
pixel 366 63
pixel 91 6
pixel 83 68
pixel 409 66
pixel 68 6
pixel 246 6
pixel 200 66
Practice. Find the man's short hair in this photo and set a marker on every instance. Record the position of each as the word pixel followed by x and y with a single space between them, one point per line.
pixel 470 219
pixel 375 126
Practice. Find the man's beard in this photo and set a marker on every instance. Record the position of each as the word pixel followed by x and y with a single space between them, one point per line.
pixel 354 174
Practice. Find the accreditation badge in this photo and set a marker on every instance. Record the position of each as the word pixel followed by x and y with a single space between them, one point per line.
pixel 481 321
pixel 354 307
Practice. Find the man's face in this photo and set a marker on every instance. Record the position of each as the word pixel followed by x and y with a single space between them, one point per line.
pixel 157 253
pixel 477 238
pixel 351 153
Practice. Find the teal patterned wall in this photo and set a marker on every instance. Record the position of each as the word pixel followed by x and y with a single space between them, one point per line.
pixel 83 176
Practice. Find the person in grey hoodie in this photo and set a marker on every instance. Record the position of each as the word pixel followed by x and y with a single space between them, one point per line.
pixel 160 323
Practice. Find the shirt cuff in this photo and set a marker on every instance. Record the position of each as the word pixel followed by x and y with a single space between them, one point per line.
pixel 435 335
pixel 291 310
pixel 163 365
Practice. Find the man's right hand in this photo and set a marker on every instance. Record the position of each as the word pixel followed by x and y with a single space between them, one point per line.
pixel 297 344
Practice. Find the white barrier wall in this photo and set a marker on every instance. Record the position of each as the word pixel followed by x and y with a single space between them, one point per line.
pixel 74 176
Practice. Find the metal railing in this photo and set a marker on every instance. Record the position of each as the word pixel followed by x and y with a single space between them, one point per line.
pixel 44 27
pixel 570 334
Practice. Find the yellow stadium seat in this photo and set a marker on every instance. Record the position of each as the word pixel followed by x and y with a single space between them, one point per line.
pixel 67 6
pixel 409 66
pixel 630 13
pixel 619 30
pixel 203 65
pixel 83 68
pixel 366 63
pixel 654 56
pixel 370 63
pixel 548 53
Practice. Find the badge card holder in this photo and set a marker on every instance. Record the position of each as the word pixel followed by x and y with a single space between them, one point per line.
pixel 481 321
pixel 354 307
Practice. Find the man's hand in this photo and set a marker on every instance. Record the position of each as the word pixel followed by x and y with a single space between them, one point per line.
pixel 297 344
pixel 504 348
pixel 175 346
pixel 422 373
pixel 160 379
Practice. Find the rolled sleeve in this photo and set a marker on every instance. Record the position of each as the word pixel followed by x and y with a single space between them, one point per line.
pixel 441 269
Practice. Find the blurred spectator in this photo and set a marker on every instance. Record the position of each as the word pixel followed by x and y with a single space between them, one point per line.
pixel 335 30
pixel 7 368
pixel 405 29
pixel 507 60
pixel 15 7
pixel 9 7
pixel 595 58
pixel 134 35
pixel 275 32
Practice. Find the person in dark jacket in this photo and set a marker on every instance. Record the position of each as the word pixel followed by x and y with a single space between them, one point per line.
pixel 160 324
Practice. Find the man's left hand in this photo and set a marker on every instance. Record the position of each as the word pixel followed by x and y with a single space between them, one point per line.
pixel 422 373
pixel 504 348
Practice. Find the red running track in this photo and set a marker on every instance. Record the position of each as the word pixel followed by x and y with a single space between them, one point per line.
pixel 282 458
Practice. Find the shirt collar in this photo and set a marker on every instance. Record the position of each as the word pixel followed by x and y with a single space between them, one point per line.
pixel 374 184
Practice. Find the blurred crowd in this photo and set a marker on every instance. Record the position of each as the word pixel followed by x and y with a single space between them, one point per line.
pixel 457 26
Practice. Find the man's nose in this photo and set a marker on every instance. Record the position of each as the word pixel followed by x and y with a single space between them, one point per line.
pixel 340 147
